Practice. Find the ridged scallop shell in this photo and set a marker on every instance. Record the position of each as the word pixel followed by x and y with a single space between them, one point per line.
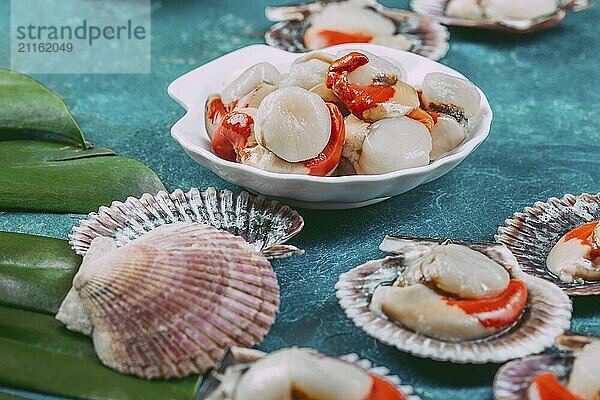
pixel 171 302
pixel 429 38
pixel 241 358
pixel 547 313
pixel 436 10
pixel 265 224
pixel 513 378
pixel 531 234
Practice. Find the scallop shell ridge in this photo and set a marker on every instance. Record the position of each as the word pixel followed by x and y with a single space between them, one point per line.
pixel 547 314
pixel 266 224
pixel 513 378
pixel 170 303
pixel 531 234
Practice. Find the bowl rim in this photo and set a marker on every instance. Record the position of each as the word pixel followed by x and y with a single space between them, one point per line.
pixel 462 151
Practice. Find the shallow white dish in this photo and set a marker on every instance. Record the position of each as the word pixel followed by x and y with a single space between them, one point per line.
pixel 192 89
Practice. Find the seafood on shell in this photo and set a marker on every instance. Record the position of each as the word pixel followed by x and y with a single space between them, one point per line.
pixel 576 256
pixel 321 24
pixel 299 373
pixel 169 303
pixel 294 122
pixel 568 375
pixel 558 240
pixel 515 9
pixel 509 15
pixel 459 301
pixel 451 292
pixel 352 21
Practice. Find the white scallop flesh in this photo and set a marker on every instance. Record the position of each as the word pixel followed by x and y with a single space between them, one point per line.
pixel 519 9
pixel 569 260
pixel 398 41
pixel 446 135
pixel 300 371
pixel 259 157
pixel 256 96
pixel 249 80
pixel 394 144
pixel 314 55
pixel 293 123
pixel 376 66
pixel 327 95
pixel 423 310
pixel 439 87
pixel 306 74
pixel 584 380
pixel 464 9
pixel 356 132
pixel 404 100
pixel 460 271
pixel 353 17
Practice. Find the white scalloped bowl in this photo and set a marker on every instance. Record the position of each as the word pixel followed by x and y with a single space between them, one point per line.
pixel 192 89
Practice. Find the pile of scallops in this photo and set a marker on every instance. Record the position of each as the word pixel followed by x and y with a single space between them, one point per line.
pixel 352 113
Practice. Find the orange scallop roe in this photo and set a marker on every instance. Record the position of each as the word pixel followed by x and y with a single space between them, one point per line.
pixel 546 386
pixel 583 233
pixel 326 38
pixel 498 311
pixel 384 390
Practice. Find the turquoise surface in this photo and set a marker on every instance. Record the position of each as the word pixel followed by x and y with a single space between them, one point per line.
pixel 545 141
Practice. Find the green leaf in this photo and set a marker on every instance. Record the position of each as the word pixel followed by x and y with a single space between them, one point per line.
pixel 53 177
pixel 35 271
pixel 26 106
pixel 6 396
pixel 39 355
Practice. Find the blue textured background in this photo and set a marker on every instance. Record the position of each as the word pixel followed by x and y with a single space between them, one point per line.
pixel 545 141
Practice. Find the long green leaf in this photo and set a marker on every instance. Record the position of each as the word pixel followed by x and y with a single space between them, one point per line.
pixel 35 271
pixel 6 396
pixel 26 106
pixel 39 355
pixel 52 177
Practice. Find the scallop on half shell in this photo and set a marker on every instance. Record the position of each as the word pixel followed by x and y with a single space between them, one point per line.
pixel 426 37
pixel 236 361
pixel 169 303
pixel 266 225
pixel 436 10
pixel 514 378
pixel 531 234
pixel 546 315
